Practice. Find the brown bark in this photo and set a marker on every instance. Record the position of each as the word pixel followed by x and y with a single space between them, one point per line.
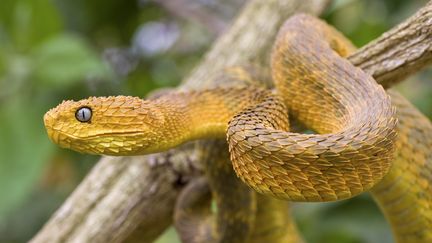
pixel 402 51
pixel 124 194
pixel 119 193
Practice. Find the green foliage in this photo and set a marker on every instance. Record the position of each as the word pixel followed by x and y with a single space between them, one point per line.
pixel 355 220
pixel 27 23
pixel 21 161
pixel 52 50
pixel 78 61
pixel 37 57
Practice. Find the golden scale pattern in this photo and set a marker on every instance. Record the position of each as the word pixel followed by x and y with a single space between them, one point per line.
pixel 354 116
pixel 405 193
pixel 353 113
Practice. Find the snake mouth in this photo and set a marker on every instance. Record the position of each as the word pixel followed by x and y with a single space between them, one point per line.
pixel 109 134
pixel 65 139
pixel 52 134
pixel 106 143
pixel 100 135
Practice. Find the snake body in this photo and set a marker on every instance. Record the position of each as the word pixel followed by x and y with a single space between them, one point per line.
pixel 405 193
pixel 353 115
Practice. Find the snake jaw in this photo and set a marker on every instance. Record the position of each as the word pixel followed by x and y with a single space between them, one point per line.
pixel 119 125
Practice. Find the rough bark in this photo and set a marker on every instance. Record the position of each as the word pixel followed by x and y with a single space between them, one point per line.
pixel 397 53
pixel 124 194
pixel 119 193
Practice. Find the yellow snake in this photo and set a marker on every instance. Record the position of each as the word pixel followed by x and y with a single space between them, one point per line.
pixel 352 114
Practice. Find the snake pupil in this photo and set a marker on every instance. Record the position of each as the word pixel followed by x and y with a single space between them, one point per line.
pixel 83 114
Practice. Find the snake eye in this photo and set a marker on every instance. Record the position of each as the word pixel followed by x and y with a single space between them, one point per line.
pixel 83 114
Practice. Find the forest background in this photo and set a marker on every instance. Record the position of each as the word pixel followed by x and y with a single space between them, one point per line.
pixel 51 50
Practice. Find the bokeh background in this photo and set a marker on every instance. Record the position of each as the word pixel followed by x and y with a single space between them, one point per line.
pixel 52 50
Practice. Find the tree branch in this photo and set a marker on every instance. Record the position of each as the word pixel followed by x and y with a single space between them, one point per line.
pixel 400 52
pixel 119 193
pixel 123 194
pixel 126 193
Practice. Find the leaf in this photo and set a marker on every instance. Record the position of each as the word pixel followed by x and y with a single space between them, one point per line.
pixel 169 236
pixel 24 149
pixel 66 59
pixel 29 22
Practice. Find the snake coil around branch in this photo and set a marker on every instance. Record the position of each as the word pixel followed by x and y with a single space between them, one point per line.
pixel 383 119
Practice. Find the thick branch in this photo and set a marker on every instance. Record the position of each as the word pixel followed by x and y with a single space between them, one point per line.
pixel 125 193
pixel 118 194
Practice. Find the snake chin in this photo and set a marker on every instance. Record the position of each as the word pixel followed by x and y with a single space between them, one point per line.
pixel 114 144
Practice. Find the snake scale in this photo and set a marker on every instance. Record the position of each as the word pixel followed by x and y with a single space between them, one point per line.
pixel 354 119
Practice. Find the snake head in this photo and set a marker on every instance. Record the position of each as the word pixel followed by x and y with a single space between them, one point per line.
pixel 115 125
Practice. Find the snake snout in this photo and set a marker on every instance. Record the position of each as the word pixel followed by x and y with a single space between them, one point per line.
pixel 49 119
pixel 48 125
pixel 49 122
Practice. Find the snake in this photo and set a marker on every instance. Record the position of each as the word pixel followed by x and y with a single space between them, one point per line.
pixel 358 145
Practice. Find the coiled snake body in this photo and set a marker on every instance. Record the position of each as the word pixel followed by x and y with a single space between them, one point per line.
pixel 352 114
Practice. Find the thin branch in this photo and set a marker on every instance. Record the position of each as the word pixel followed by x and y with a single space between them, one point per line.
pixel 400 52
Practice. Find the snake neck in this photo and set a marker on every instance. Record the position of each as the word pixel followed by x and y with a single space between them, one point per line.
pixel 122 125
pixel 202 114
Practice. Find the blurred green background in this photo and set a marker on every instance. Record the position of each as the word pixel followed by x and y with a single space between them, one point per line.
pixel 52 50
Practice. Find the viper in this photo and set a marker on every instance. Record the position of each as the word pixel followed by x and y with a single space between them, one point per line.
pixel 357 145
